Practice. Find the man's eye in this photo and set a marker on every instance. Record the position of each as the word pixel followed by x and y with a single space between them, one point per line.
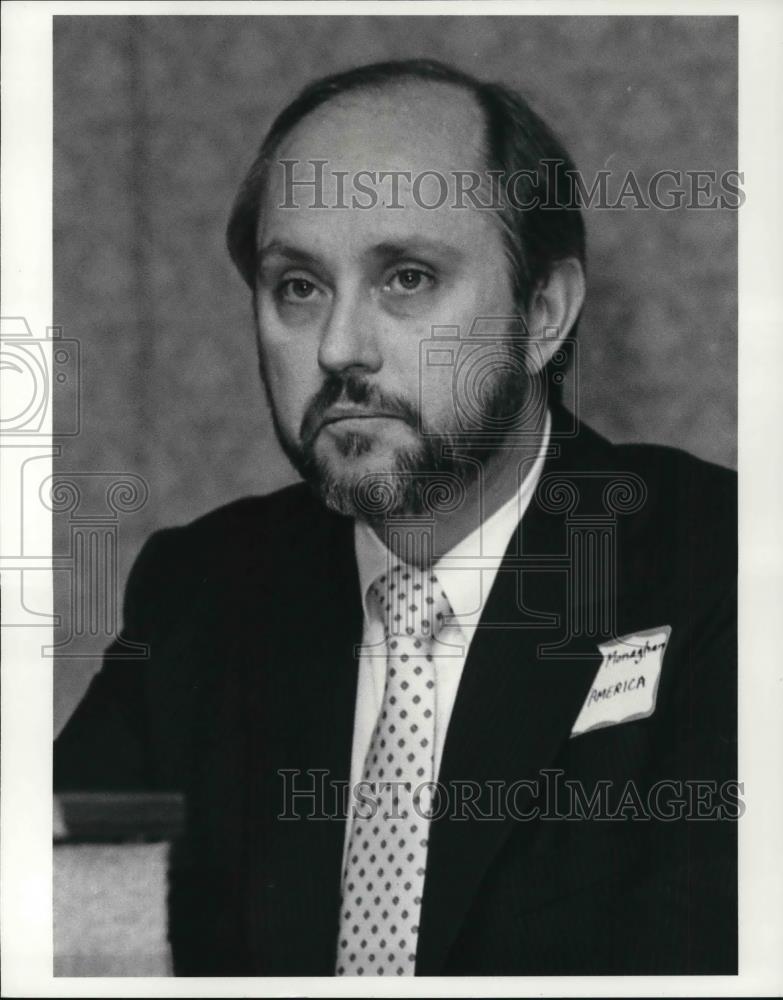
pixel 296 290
pixel 410 279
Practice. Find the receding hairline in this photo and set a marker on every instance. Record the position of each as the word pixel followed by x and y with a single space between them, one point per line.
pixel 357 96
pixel 512 138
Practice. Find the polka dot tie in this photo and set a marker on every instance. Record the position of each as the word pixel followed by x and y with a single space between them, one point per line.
pixel 383 882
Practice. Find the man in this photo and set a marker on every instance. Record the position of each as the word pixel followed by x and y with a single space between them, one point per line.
pixel 464 702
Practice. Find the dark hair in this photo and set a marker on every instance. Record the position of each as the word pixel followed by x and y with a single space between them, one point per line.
pixel 516 140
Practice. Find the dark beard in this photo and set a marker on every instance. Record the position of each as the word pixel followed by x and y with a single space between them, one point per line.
pixel 430 477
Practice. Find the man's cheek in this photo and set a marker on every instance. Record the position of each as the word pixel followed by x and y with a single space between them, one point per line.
pixel 286 358
pixel 292 381
pixel 435 402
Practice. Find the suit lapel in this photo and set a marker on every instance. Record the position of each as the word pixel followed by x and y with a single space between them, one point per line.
pixel 515 706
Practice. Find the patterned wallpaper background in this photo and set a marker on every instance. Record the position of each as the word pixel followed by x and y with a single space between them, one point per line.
pixel 156 120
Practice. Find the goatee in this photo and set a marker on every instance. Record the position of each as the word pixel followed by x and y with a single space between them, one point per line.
pixel 430 476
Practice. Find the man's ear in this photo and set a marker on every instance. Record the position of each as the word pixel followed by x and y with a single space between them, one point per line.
pixel 554 309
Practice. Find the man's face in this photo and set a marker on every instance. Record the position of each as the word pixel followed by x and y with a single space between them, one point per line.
pixel 347 295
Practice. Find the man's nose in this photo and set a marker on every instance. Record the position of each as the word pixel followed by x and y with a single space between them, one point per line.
pixel 349 338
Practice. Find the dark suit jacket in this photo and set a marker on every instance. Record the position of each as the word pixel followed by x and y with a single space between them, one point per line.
pixel 251 615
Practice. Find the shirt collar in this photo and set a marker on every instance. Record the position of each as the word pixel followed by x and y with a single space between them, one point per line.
pixel 467 571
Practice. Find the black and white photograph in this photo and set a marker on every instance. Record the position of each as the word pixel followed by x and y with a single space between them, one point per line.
pixel 384 434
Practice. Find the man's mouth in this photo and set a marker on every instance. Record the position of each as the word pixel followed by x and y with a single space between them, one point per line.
pixel 337 415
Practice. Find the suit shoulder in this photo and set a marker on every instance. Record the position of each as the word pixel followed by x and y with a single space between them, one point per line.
pixel 676 485
pixel 256 514
pixel 678 474
pixel 690 502
pixel 227 533
pixel 667 458
pixel 176 562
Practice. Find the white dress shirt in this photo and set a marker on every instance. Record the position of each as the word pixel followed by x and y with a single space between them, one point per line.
pixel 466 574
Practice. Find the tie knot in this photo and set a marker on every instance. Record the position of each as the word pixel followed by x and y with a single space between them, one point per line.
pixel 411 601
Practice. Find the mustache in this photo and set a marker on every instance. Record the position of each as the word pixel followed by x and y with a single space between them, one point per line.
pixel 350 387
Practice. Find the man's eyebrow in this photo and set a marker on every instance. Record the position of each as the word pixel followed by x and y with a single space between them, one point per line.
pixel 285 250
pixel 413 244
pixel 405 246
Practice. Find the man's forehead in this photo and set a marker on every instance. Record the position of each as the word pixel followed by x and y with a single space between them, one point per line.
pixel 405 126
pixel 395 152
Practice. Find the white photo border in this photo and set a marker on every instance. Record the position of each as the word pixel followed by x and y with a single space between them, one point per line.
pixel 25 777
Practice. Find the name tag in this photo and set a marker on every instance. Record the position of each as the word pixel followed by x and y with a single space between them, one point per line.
pixel 626 685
